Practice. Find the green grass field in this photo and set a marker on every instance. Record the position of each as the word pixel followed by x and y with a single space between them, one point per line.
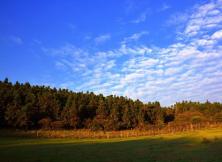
pixel 198 146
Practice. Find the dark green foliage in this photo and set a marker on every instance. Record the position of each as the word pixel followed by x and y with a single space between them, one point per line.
pixel 31 107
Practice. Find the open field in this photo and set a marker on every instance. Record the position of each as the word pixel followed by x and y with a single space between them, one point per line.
pixel 197 146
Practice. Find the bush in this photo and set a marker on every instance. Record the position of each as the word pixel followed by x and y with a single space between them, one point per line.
pixel 196 119
pixel 97 124
pixel 205 140
pixel 218 117
pixel 45 123
pixel 190 117
pixel 57 124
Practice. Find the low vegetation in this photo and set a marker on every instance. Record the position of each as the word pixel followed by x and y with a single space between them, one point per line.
pixel 197 146
pixel 72 126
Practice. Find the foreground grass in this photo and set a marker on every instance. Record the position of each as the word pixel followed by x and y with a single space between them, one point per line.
pixel 198 146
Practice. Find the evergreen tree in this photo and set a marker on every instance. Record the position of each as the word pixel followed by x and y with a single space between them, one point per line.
pixel 28 107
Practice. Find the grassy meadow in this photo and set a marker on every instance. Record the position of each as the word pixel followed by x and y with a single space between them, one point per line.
pixel 197 146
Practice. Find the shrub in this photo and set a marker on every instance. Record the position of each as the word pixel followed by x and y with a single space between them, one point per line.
pixel 190 117
pixel 218 117
pixel 57 124
pixel 205 140
pixel 196 119
pixel 44 123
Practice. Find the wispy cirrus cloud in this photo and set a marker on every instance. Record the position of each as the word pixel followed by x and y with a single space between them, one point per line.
pixel 141 18
pixel 102 38
pixel 134 37
pixel 188 69
pixel 217 35
pixel 164 7
pixel 15 39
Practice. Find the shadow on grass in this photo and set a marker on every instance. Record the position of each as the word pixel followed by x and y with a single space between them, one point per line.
pixel 156 149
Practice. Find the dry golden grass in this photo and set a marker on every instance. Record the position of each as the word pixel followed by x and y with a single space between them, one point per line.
pixel 84 133
pixel 192 146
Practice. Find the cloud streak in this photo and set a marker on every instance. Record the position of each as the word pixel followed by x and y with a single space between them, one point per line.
pixel 102 38
pixel 141 18
pixel 134 37
pixel 17 40
pixel 188 69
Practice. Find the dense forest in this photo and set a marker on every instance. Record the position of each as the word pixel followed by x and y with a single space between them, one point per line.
pixel 24 106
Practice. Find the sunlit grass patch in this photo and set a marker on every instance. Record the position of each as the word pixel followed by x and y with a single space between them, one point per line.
pixel 203 146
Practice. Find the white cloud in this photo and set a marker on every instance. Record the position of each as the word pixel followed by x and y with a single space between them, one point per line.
pixel 204 17
pixel 16 40
pixel 134 37
pixel 36 41
pixel 178 18
pixel 205 42
pixel 217 35
pixel 164 7
pixel 129 6
pixel 142 17
pixel 188 69
pixel 102 38
pixel 72 26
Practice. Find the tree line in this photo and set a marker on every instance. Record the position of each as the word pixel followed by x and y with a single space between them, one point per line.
pixel 26 106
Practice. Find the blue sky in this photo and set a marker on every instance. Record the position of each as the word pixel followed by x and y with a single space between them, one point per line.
pixel 151 50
